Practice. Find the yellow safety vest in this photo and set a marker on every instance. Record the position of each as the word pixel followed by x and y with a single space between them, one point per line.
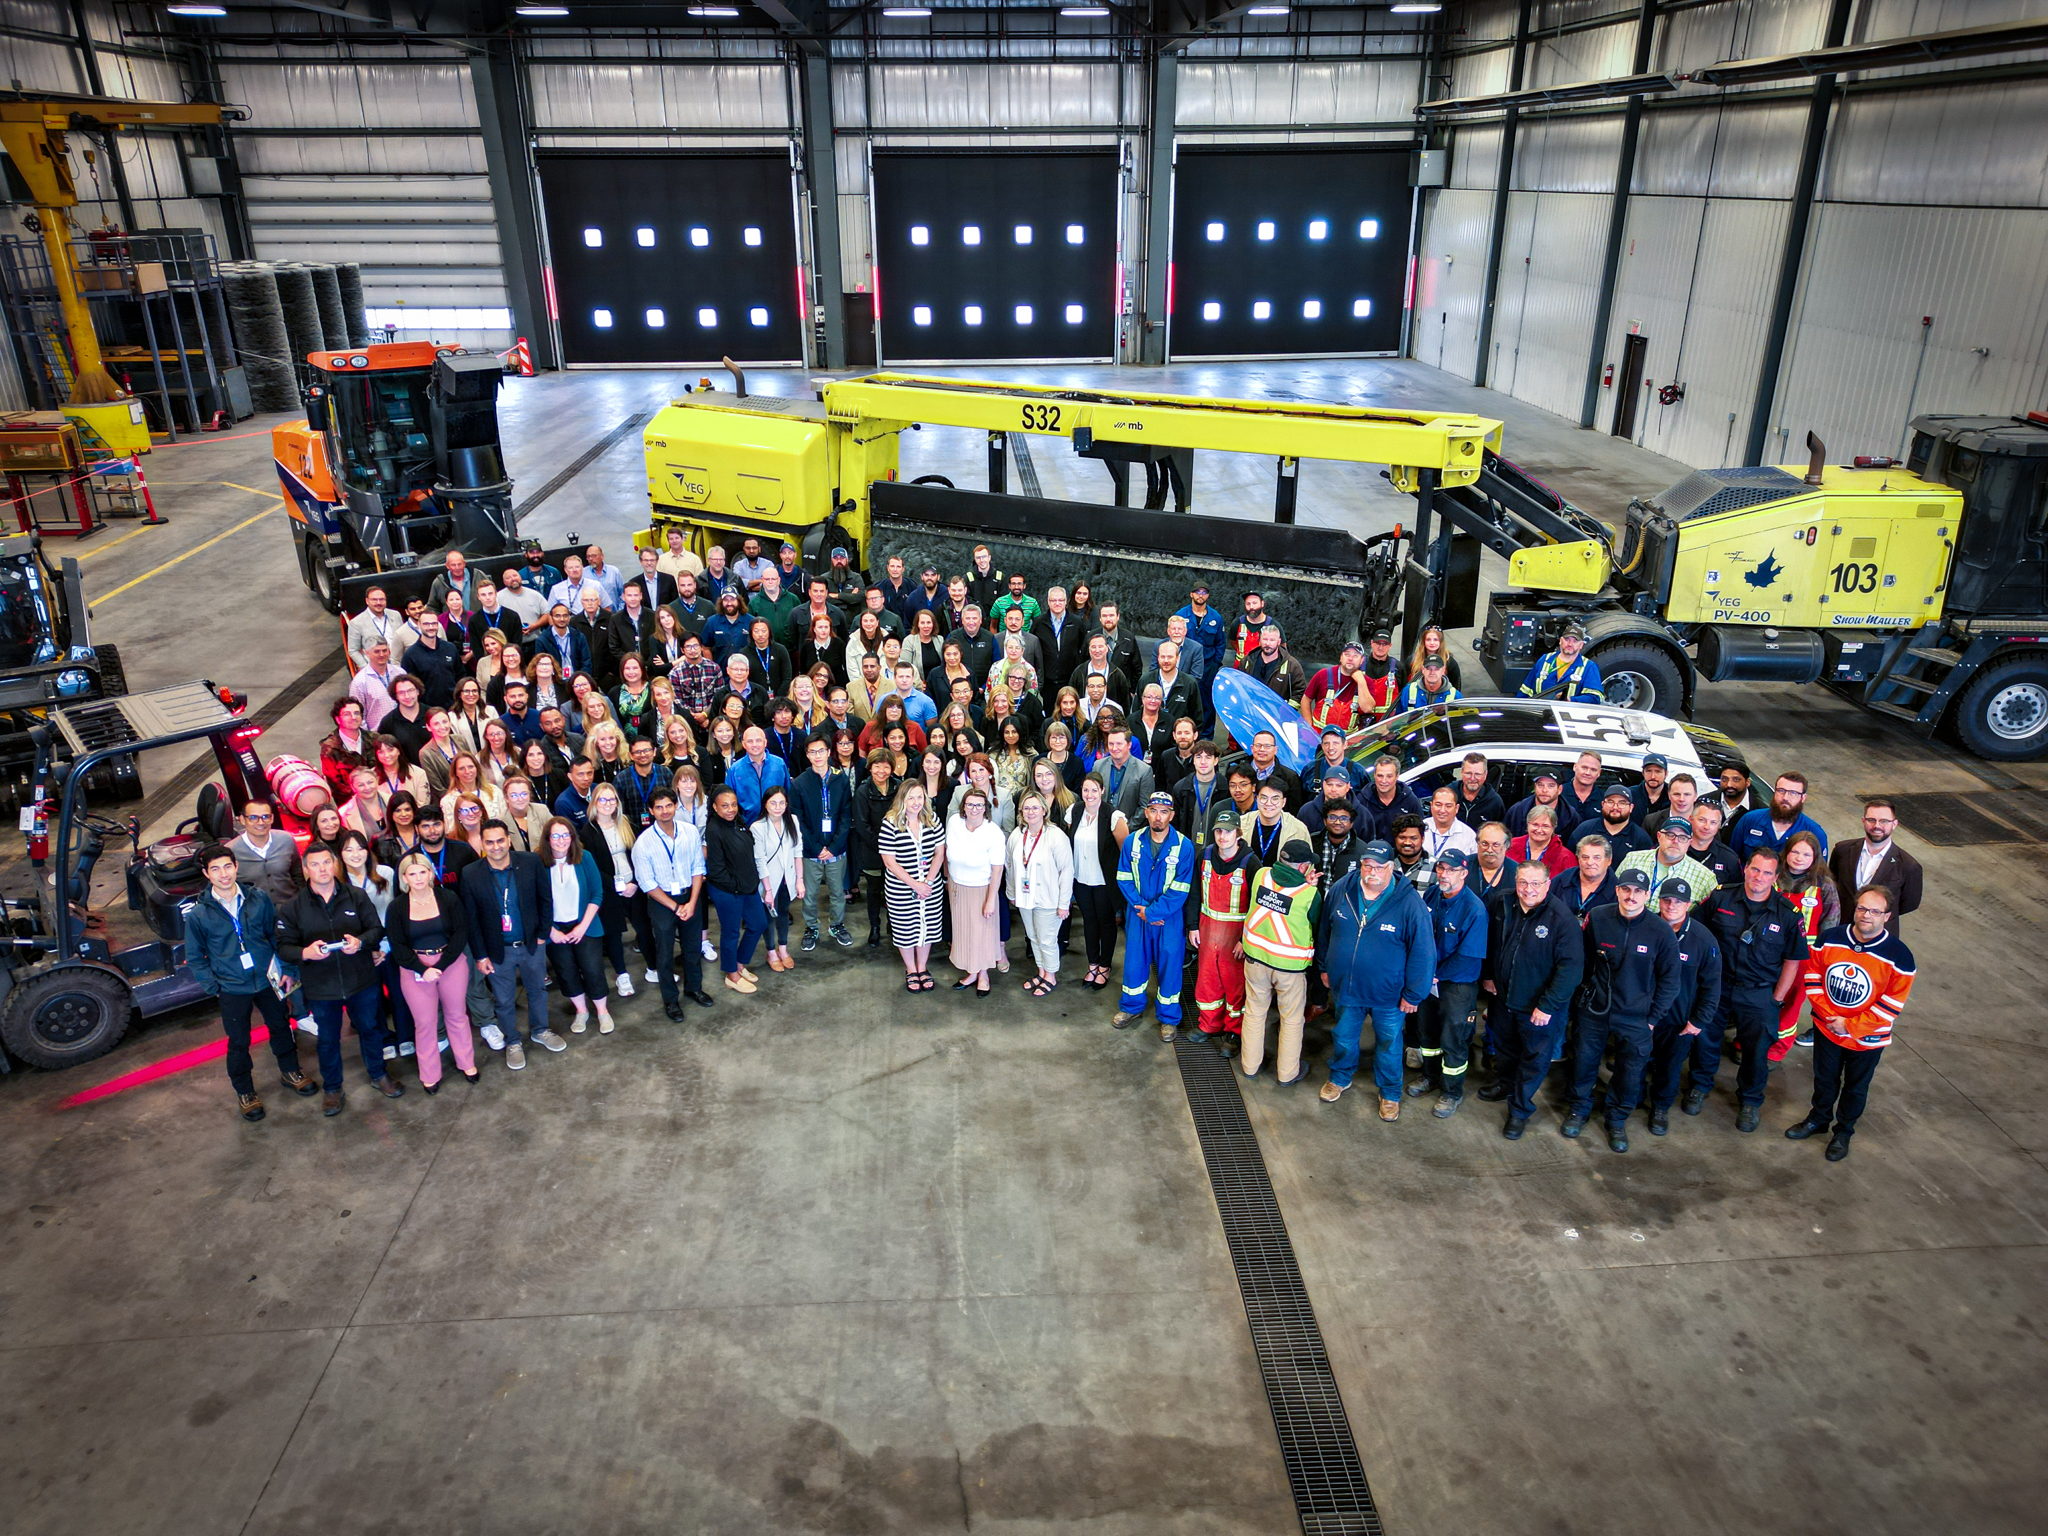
pixel 1279 931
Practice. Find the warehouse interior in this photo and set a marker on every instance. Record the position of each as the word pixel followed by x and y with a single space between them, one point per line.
pixel 834 1260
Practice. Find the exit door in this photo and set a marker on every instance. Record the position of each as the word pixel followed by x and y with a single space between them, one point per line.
pixel 1633 346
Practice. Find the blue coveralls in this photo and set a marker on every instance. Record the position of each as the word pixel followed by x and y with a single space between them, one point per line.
pixel 1582 678
pixel 1160 877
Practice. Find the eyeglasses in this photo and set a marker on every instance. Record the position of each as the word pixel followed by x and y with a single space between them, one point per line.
pixel 1792 794
pixel 1864 911
pixel 256 816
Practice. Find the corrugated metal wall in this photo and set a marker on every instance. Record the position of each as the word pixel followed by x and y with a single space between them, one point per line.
pixel 155 171
pixel 1931 203
pixel 336 167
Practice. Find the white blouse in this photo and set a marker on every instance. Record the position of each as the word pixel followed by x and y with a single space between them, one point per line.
pixel 974 854
pixel 568 907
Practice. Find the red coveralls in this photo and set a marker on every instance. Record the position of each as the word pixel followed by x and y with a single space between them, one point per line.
pixel 1225 892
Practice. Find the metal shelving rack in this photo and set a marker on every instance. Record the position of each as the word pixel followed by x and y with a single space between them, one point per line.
pixel 191 306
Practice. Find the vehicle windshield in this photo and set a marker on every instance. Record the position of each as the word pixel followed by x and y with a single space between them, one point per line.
pixel 380 420
pixel 27 635
pixel 1419 735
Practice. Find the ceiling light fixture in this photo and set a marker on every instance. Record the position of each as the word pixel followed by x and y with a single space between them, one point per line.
pixel 906 10
pixel 1267 10
pixel 1084 10
pixel 196 10
pixel 541 10
pixel 714 10
pixel 1415 9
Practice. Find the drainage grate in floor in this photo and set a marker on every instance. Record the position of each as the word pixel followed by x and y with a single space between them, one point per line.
pixel 1330 1491
pixel 1985 816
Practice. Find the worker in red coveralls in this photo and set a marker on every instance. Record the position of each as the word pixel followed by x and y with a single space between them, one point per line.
pixel 1224 887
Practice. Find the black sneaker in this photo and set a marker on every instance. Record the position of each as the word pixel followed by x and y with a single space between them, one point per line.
pixel 1695 1100
pixel 810 940
pixel 841 937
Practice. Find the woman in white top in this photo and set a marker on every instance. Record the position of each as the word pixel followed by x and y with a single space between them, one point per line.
pixel 1097 831
pixel 608 837
pixel 974 871
pixel 575 898
pixel 1041 886
pixel 779 856
pixel 544 683
pixel 979 770
pixel 467 778
pixel 466 719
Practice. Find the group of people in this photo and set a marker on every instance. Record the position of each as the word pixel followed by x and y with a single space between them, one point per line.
pixel 558 759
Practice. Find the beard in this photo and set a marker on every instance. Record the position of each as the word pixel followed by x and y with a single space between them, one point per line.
pixel 1783 810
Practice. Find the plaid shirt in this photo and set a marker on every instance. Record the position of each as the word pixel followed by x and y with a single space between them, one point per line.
pixel 695 683
pixel 632 801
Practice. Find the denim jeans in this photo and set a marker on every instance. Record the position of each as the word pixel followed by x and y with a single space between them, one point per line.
pixel 527 963
pixel 670 932
pixel 830 878
pixel 742 921
pixel 364 1009
pixel 1386 1049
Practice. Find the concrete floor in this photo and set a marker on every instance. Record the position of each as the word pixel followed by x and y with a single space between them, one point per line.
pixel 840 1260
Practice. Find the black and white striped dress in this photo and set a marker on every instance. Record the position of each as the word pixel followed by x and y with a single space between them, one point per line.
pixel 914 919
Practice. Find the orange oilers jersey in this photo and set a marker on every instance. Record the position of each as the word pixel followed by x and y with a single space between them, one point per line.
pixel 1857 990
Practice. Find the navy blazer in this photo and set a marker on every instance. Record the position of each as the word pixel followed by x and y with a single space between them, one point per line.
pixel 569 648
pixel 478 884
pixel 811 800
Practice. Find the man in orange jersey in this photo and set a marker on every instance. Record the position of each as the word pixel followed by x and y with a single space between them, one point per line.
pixel 1857 979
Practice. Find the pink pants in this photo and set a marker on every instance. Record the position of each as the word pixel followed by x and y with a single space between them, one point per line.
pixel 441 1003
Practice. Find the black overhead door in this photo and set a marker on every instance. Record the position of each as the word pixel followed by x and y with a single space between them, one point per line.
pixel 1301 251
pixel 673 258
pixel 996 256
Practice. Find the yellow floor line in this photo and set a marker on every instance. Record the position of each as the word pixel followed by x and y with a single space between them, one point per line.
pixel 100 549
pixel 179 559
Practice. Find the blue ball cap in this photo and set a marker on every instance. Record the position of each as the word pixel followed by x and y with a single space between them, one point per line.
pixel 1632 880
pixel 1656 760
pixel 1378 851
pixel 1453 858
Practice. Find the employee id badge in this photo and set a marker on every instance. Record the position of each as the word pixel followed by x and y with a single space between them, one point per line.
pixel 248 961
pixel 827 824
pixel 1024 881
pixel 505 921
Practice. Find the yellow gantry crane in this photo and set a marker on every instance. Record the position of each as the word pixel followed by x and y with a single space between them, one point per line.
pixel 35 135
